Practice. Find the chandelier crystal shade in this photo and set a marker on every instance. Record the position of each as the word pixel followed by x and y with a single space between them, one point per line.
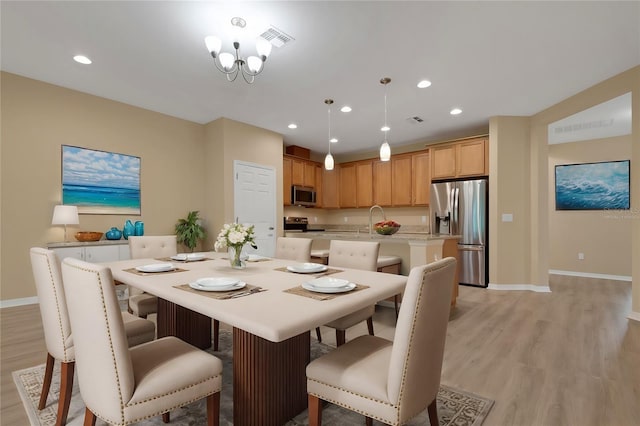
pixel 231 64
pixel 385 149
pixel 328 159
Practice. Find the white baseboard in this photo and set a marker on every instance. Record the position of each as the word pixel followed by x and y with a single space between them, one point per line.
pixel 18 302
pixel 520 287
pixel 590 275
pixel 635 316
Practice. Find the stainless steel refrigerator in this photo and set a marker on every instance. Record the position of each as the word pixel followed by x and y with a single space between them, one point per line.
pixel 461 208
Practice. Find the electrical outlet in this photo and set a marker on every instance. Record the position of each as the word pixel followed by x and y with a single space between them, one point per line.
pixel 423 219
pixel 346 219
pixel 580 256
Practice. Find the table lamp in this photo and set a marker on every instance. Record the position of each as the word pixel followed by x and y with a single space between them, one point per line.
pixel 65 215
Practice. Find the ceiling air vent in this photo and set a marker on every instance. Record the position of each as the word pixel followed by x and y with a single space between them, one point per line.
pixel 276 37
pixel 415 119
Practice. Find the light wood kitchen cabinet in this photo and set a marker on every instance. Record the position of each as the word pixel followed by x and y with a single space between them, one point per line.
pixel 286 181
pixel 364 183
pixel 309 177
pixel 421 178
pixel 471 158
pixel 382 183
pixel 297 172
pixel 318 185
pixel 331 188
pixel 401 180
pixel 459 159
pixel 348 185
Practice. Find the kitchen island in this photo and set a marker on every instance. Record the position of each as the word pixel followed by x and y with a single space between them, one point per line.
pixel 415 249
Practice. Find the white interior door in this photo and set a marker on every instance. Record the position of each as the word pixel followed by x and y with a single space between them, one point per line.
pixel 255 203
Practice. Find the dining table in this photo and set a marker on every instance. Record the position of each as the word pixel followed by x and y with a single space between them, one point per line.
pixel 271 316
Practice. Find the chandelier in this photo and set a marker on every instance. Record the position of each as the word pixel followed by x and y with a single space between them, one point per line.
pixel 328 160
pixel 385 149
pixel 231 64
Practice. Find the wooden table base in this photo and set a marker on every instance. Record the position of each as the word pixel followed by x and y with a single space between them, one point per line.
pixel 188 325
pixel 269 379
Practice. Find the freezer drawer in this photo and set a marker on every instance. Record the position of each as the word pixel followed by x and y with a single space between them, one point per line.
pixel 471 265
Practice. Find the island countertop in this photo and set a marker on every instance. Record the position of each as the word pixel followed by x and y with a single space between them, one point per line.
pixel 398 237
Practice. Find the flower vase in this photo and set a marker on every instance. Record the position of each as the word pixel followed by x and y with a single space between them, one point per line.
pixel 236 259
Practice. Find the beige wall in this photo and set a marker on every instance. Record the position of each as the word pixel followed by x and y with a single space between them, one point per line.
pixel 603 236
pixel 184 166
pixel 509 186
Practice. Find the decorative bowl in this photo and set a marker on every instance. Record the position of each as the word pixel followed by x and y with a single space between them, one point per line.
pixel 387 227
pixel 85 236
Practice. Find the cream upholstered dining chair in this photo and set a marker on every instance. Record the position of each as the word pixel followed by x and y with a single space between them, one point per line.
pixel 124 385
pixel 298 249
pixel 158 246
pixel 392 381
pixel 141 303
pixel 57 331
pixel 356 255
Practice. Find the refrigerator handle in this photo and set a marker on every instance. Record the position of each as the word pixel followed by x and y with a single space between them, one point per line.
pixel 454 214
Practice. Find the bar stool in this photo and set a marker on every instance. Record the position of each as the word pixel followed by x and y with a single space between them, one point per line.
pixel 320 256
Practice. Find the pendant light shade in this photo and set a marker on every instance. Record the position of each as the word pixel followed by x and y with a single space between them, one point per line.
pixel 385 149
pixel 328 160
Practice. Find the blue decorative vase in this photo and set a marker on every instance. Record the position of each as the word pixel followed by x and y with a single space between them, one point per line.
pixel 138 228
pixel 128 230
pixel 113 234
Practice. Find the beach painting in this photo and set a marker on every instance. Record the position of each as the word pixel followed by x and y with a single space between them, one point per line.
pixel 593 186
pixel 100 182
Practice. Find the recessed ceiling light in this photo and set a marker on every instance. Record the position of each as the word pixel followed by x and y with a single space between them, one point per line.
pixel 455 111
pixel 345 108
pixel 424 83
pixel 82 59
pixel 333 140
pixel 385 128
pixel 293 126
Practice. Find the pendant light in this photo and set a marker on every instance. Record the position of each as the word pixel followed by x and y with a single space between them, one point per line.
pixel 385 149
pixel 328 160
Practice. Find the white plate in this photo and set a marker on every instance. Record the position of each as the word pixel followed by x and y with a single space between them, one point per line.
pixel 217 282
pixel 328 282
pixel 236 286
pixel 348 287
pixel 307 268
pixel 156 267
pixel 191 257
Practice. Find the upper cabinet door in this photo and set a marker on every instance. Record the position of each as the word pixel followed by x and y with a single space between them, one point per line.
pixel 331 188
pixel 443 162
pixel 382 183
pixel 309 174
pixel 286 181
pixel 364 183
pixel 401 180
pixel 348 185
pixel 471 158
pixel 297 172
pixel 318 186
pixel 421 183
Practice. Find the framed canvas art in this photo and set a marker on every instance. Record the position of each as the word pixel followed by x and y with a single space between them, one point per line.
pixel 593 186
pixel 100 182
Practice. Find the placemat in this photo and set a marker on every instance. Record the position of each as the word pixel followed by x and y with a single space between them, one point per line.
pixel 329 271
pixel 300 291
pixel 262 259
pixel 135 271
pixel 221 295
pixel 168 259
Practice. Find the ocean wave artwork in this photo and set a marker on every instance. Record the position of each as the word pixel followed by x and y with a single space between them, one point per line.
pixel 100 182
pixel 593 186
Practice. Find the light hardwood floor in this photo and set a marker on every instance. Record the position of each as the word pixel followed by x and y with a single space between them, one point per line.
pixel 570 357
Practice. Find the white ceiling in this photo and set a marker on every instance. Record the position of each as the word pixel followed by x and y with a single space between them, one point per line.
pixel 488 58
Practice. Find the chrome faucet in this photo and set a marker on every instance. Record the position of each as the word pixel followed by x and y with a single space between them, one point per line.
pixel 371 214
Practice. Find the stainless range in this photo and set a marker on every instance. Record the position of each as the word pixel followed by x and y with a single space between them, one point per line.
pixel 300 224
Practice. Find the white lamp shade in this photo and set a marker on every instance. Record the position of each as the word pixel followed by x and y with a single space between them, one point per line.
pixel 328 162
pixel 227 60
pixel 254 63
pixel 65 215
pixel 214 44
pixel 385 152
pixel 263 47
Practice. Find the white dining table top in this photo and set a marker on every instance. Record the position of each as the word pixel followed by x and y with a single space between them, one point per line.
pixel 273 314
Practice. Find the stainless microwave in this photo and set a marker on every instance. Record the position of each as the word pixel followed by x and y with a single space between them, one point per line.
pixel 303 196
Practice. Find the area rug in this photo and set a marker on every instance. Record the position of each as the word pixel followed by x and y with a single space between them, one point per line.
pixel 455 407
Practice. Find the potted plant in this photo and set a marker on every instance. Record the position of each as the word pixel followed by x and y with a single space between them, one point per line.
pixel 189 231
